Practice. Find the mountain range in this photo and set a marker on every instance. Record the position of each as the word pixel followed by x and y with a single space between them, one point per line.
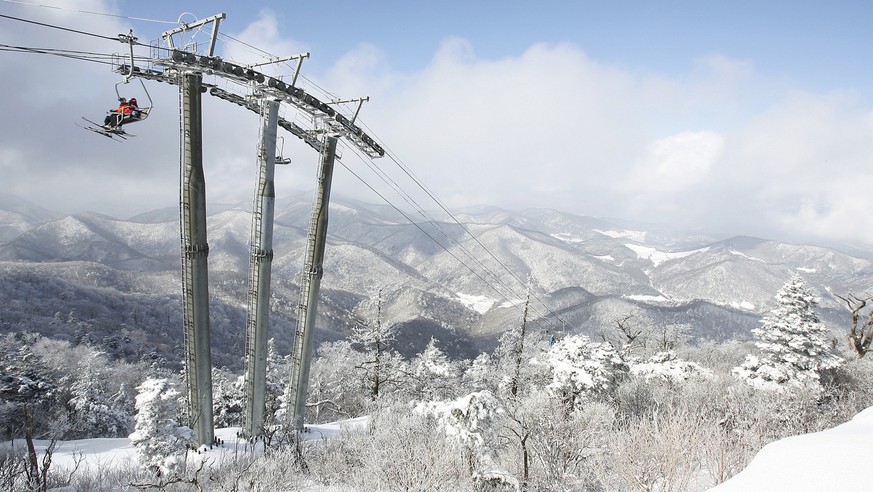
pixel 461 278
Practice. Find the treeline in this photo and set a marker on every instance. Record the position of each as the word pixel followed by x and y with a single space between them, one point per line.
pixel 637 407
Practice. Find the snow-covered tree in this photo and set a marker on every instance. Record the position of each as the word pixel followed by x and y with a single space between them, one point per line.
pixel 472 421
pixel 374 338
pixel 228 398
pixel 435 374
pixel 336 388
pixel 481 373
pixel 94 411
pixel 278 368
pixel 158 437
pixel 581 367
pixel 794 345
pixel 513 375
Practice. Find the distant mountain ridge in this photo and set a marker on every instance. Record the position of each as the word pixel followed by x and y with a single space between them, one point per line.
pixel 89 277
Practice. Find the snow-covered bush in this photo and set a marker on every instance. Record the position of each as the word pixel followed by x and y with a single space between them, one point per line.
pixel 559 450
pixel 158 437
pixel 400 450
pixel 794 345
pixel 581 367
pixel 472 421
pixel 666 366
pixel 469 420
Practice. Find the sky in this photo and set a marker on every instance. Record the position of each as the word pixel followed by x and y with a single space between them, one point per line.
pixel 734 117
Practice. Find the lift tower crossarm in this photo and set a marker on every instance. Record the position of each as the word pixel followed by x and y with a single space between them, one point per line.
pixel 275 88
pixel 359 100
pixel 215 19
pixel 278 59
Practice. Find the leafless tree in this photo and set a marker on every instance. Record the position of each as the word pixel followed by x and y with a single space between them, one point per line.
pixel 861 331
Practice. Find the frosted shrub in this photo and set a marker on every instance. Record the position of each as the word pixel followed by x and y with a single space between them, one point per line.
pixel 472 422
pixel 666 366
pixel 656 453
pixel 402 451
pixel 564 449
pixel 158 438
pixel 581 368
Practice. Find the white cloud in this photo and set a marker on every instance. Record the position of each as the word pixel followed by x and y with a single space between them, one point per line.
pixel 675 163
pixel 720 146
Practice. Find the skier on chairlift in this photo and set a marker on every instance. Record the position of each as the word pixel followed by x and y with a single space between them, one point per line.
pixel 126 112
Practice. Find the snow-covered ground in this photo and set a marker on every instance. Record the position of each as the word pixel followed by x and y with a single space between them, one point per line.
pixel 830 460
pixel 108 453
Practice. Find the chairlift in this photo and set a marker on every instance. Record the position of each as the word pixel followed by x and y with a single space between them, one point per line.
pixel 141 112
pixel 138 114
pixel 279 155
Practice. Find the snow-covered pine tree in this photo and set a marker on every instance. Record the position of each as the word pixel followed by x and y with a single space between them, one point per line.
pixel 158 437
pixel 581 368
pixel 277 371
pixel 374 338
pixel 93 411
pixel 228 398
pixel 481 373
pixel 435 374
pixel 794 345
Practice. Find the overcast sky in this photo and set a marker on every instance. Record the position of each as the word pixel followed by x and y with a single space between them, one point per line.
pixel 741 117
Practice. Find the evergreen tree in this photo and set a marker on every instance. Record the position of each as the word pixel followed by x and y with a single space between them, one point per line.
pixel 158 438
pixel 94 411
pixel 228 398
pixel 794 345
pixel 278 368
pixel 435 374
pixel 374 338
pixel 581 368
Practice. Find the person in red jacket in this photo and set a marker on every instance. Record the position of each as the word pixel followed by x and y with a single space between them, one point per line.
pixel 116 117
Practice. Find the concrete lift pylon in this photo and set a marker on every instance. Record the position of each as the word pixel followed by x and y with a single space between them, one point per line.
pixel 313 271
pixel 257 323
pixel 195 248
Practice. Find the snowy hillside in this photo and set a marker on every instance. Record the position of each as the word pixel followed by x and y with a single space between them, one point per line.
pixel 587 272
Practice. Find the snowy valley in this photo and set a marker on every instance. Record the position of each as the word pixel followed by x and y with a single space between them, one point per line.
pixel 530 350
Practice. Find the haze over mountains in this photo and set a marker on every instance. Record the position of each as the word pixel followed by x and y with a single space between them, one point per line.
pixel 90 278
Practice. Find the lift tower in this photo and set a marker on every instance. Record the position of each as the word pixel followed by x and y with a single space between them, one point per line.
pixel 195 249
pixel 310 286
pixel 259 273
pixel 185 68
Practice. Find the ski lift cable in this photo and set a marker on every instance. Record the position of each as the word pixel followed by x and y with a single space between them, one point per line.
pixel 104 14
pixel 436 200
pixel 254 49
pixel 429 218
pixel 58 51
pixel 84 56
pixel 544 315
pixel 76 31
pixel 418 182
pixel 401 212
